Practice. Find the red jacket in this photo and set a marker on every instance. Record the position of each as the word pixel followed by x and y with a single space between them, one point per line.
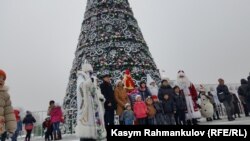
pixel 17 112
pixel 140 109
pixel 56 114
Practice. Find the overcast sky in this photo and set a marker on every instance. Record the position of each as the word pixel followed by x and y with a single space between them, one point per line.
pixel 207 39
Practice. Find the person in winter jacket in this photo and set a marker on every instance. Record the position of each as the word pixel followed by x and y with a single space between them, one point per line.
pixel 110 104
pixel 56 115
pixel 28 121
pixel 144 91
pixel 19 125
pixel 169 109
pixel 132 95
pixel 151 84
pixel 226 98
pixel 7 117
pixel 48 129
pixel 151 111
pixel 236 105
pixel 140 110
pixel 165 88
pixel 242 91
pixel 216 111
pixel 181 106
pixel 127 116
pixel 159 116
pixel 121 98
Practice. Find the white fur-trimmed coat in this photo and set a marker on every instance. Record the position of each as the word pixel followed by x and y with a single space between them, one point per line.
pixel 90 103
pixel 7 117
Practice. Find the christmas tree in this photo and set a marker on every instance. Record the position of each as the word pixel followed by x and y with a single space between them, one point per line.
pixel 112 42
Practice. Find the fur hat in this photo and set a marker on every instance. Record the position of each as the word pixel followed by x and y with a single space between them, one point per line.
pixel 86 67
pixel 2 73
pixel 137 96
pixel 154 97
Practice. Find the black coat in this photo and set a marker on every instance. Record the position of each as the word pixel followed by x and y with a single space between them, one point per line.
pixel 168 106
pixel 158 107
pixel 108 92
pixel 165 90
pixel 159 116
pixel 144 94
pixel 242 91
pixel 180 101
pixel 29 119
pixel 223 93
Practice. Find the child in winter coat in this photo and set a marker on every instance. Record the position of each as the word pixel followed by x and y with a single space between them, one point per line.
pixel 28 121
pixel 132 95
pixel 140 110
pixel 169 109
pixel 7 117
pixel 151 111
pixel 48 129
pixel 128 115
pixel 181 106
pixel 159 116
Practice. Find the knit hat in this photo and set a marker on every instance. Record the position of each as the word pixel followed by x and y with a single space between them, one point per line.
pixel 2 73
pixel 154 97
pixel 137 96
pixel 127 104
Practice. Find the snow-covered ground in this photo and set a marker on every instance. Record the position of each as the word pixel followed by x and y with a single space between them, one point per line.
pixel 238 121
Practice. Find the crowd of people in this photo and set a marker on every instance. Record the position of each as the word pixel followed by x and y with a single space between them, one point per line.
pixel 142 104
pixel 11 122
pixel 177 104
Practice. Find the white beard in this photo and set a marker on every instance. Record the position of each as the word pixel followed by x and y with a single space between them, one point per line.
pixel 183 82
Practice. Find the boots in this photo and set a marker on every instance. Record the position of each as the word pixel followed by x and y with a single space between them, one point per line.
pixel 59 135
pixel 55 136
pixel 195 122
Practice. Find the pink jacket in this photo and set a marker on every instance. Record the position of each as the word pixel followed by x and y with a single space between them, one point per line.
pixel 140 109
pixel 56 114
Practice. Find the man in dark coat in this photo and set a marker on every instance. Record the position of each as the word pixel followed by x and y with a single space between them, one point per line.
pixel 242 91
pixel 226 98
pixel 165 88
pixel 109 105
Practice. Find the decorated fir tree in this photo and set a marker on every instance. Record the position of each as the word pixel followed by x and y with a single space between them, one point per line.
pixel 112 42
